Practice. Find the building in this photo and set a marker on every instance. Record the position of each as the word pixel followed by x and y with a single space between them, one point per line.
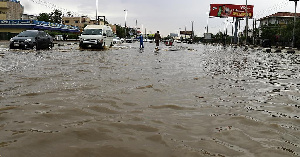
pixel 76 21
pixel 278 21
pixel 80 22
pixel 11 10
pixel 281 18
pixel 83 21
pixel 29 17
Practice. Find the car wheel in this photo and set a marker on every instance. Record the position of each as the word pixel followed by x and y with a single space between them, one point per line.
pixel 100 45
pixel 82 46
pixel 36 46
pixel 11 46
pixel 50 46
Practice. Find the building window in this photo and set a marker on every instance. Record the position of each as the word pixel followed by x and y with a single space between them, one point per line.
pixel 67 21
pixel 76 21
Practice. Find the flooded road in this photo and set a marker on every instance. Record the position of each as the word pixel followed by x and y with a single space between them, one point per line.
pixel 187 101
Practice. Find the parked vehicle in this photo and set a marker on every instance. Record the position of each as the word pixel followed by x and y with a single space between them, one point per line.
pixel 59 38
pixel 177 41
pixel 96 36
pixel 148 40
pixel 117 40
pixel 31 39
pixel 129 40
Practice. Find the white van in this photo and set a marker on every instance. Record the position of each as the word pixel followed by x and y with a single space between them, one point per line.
pixel 96 36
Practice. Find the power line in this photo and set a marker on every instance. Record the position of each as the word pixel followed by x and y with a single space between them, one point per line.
pixel 54 7
pixel 272 9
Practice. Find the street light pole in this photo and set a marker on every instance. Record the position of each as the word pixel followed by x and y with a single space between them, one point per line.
pixel 293 44
pixel 125 22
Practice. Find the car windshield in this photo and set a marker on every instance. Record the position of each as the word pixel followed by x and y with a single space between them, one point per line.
pixel 92 32
pixel 28 34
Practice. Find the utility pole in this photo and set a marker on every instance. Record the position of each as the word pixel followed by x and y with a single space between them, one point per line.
pixel 293 44
pixel 180 34
pixel 185 33
pixel 192 31
pixel 246 21
pixel 253 38
pixel 146 34
pixel 97 12
pixel 136 27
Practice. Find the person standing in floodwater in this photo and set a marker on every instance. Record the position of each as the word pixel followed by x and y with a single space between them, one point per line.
pixel 141 41
pixel 157 38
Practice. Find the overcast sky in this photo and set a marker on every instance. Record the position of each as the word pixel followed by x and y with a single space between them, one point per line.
pixel 167 16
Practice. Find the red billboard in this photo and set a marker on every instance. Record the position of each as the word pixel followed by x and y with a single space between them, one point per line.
pixel 230 10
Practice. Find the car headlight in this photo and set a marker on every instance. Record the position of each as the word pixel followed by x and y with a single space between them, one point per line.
pixel 11 40
pixel 28 40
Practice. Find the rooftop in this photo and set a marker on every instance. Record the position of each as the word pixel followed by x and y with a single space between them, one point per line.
pixel 281 14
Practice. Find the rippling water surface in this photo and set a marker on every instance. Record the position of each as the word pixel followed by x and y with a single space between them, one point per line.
pixel 200 100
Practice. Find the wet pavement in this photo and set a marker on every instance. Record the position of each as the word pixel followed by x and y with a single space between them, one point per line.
pixel 189 100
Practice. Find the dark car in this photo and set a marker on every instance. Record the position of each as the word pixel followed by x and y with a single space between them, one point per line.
pixel 31 39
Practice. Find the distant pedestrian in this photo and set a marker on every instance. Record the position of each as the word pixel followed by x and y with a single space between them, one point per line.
pixel 157 39
pixel 141 41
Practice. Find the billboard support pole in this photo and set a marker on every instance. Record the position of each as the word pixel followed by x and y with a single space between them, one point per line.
pixel 236 30
pixel 207 29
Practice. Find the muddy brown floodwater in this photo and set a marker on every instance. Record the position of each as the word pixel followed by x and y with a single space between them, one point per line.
pixel 187 101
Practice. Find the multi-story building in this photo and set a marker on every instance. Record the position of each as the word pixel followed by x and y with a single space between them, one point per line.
pixel 11 10
pixel 278 21
pixel 80 22
pixel 83 21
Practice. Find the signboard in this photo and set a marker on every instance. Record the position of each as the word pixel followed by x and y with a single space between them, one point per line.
pixel 230 10
pixel 37 25
pixel 186 32
pixel 207 36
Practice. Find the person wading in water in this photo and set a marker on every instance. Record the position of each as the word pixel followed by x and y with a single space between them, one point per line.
pixel 157 39
pixel 141 41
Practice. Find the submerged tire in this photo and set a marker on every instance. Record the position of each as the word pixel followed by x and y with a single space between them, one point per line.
pixel 82 46
pixel 11 46
pixel 100 45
